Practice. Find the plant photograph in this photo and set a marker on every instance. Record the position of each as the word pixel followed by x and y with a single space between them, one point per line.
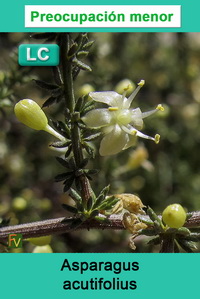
pixel 101 152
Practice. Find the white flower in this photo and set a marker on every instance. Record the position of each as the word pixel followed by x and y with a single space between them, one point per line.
pixel 119 122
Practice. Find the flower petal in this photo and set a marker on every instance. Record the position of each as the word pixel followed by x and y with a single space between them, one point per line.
pixel 113 142
pixel 136 118
pixel 97 118
pixel 132 141
pixel 111 98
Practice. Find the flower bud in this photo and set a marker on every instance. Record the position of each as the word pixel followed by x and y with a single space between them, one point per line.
pixel 174 216
pixel 30 114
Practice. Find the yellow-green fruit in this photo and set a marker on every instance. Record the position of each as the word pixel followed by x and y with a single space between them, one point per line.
pixel 19 203
pixel 85 89
pixel 30 114
pixel 40 241
pixel 174 216
pixel 43 249
pixel 45 204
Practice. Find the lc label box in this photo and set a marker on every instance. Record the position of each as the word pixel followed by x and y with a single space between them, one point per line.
pixel 38 55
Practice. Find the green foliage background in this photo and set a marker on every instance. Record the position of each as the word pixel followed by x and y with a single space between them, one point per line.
pixel 167 173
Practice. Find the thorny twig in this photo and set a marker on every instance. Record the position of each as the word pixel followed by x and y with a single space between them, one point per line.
pixel 57 226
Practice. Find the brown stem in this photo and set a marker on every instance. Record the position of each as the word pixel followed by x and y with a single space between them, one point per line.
pixel 167 244
pixel 193 220
pixel 56 226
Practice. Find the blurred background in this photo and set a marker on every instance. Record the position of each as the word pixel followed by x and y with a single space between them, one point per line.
pixel 159 174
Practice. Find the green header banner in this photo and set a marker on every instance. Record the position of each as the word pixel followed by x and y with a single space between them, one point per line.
pixel 13 16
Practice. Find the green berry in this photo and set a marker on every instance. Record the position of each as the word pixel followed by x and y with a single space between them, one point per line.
pixel 19 203
pixel 85 89
pixel 40 241
pixel 45 204
pixel 174 216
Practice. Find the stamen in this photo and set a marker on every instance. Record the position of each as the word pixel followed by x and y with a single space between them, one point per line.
pixel 157 138
pixel 140 134
pixel 160 107
pixel 133 132
pixel 130 131
pixel 129 86
pixel 113 108
pixel 132 96
pixel 141 83
pixel 148 113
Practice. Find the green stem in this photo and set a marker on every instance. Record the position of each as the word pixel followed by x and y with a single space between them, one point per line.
pixel 78 156
pixel 70 104
pixel 67 73
pixel 76 145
